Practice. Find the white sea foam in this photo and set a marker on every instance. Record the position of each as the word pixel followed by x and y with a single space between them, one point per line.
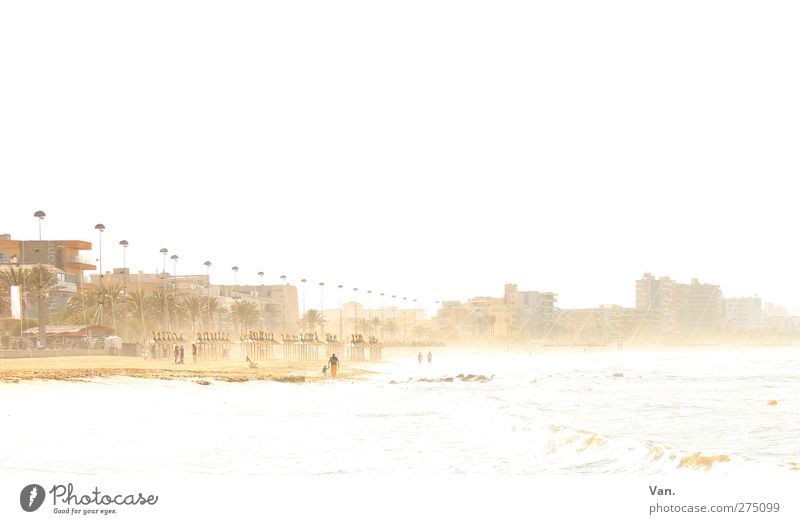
pixel 556 412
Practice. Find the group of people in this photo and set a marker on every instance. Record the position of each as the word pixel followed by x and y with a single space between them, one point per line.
pixel 430 357
pixel 178 353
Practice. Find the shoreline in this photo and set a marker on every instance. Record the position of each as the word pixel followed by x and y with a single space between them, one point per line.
pixel 83 368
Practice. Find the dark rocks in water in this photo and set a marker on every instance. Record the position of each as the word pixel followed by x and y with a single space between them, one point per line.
pixel 393 382
pixel 292 379
pixel 476 378
pixel 461 376
pixel 617 375
pixel 202 382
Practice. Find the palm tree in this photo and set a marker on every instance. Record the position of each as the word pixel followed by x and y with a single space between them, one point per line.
pixel 84 307
pixel 157 303
pixel 192 308
pixel 34 282
pixel 11 277
pixel 362 325
pixel 311 319
pixel 211 306
pixel 390 327
pixel 244 314
pixel 140 308
pixel 374 323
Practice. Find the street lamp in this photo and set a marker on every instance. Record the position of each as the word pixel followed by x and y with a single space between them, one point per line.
pixel 355 301
pixel 164 252
pixel 341 327
pixel 405 318
pixel 261 296
pixel 174 259
pixel 100 228
pixel 382 315
pixel 322 306
pixel 414 325
pixel 283 301
pixel 369 308
pixel 124 244
pixel 303 280
pixel 207 263
pixel 42 308
pixel 235 270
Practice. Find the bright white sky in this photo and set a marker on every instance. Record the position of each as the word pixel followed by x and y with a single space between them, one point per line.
pixel 432 149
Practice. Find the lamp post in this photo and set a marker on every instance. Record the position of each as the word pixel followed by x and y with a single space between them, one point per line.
pixel 414 325
pixel 303 280
pixel 101 303
pixel 235 270
pixel 381 315
pixel 283 302
pixel 42 307
pixel 322 307
pixel 394 311
pixel 261 296
pixel 369 309
pixel 405 318
pixel 174 259
pixel 124 244
pixel 341 327
pixel 164 252
pixel 207 263
pixel 355 301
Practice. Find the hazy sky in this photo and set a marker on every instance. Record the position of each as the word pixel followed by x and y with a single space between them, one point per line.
pixel 432 149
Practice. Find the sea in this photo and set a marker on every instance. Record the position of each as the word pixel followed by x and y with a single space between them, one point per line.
pixel 582 411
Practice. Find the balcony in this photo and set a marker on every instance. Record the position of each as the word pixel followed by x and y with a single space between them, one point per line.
pixel 79 262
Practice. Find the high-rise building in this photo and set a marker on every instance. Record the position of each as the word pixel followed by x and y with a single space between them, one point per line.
pixel 533 312
pixel 744 313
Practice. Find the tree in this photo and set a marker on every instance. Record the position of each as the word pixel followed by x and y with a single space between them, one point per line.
pixel 140 310
pixel 34 283
pixel 390 327
pixel 374 323
pixel 192 308
pixel 244 314
pixel 310 320
pixel 84 307
pixel 211 306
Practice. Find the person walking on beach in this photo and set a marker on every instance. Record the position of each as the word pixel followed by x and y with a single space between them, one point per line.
pixel 333 364
pixel 194 353
pixel 324 372
pixel 430 357
pixel 419 357
pixel 176 353
pixel 181 354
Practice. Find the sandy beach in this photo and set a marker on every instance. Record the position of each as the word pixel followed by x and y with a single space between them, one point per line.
pixel 86 368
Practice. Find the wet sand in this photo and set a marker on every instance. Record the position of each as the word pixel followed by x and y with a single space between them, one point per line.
pixel 87 368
